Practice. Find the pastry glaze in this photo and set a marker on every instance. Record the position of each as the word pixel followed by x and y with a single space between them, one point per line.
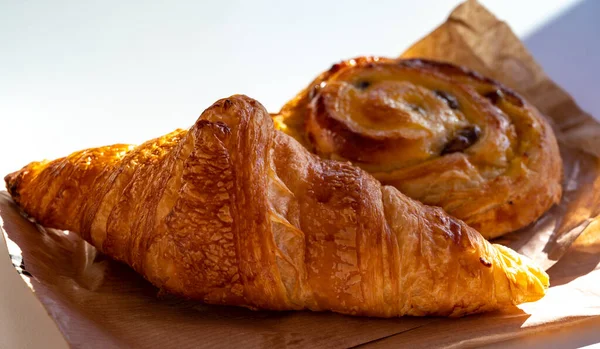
pixel 235 212
pixel 439 133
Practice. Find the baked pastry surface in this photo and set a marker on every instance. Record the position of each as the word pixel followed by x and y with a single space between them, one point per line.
pixel 235 212
pixel 441 134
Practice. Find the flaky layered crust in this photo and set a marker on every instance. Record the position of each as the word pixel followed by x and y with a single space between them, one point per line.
pixel 234 212
pixel 439 133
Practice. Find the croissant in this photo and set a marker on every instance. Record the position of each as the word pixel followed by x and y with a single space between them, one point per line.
pixel 234 212
pixel 441 134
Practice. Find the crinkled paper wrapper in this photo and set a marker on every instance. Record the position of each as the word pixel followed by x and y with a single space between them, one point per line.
pixel 98 303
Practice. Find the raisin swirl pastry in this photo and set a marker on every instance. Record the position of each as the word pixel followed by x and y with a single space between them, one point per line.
pixel 235 212
pixel 441 134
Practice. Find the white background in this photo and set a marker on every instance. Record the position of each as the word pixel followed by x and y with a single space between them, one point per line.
pixel 77 74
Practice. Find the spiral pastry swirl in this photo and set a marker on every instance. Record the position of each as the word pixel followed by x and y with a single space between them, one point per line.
pixel 440 133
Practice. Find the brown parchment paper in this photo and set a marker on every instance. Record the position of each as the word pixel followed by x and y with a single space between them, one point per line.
pixel 98 303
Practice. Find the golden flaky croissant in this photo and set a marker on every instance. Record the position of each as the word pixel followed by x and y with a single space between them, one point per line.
pixel 441 134
pixel 234 212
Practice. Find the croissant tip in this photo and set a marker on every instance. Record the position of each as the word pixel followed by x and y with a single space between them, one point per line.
pixel 12 181
pixel 527 281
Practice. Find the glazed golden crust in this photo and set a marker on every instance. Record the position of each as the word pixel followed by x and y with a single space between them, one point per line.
pixel 234 212
pixel 439 133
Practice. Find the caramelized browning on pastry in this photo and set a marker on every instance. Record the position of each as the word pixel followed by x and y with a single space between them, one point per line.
pixel 234 212
pixel 439 133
